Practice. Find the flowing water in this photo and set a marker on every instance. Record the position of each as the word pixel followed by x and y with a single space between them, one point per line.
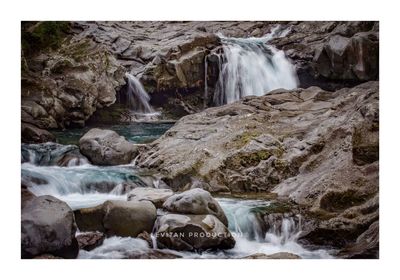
pixel 249 66
pixel 138 133
pixel 245 228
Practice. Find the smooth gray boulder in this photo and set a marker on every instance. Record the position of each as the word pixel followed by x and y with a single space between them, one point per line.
pixel 156 196
pixel 106 147
pixel 128 218
pixel 48 227
pixel 192 233
pixel 195 201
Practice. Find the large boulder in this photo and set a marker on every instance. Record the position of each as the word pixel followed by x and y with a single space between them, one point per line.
pixel 128 218
pixel 48 227
pixel 106 147
pixel 193 233
pixel 156 196
pixel 116 217
pixel 195 201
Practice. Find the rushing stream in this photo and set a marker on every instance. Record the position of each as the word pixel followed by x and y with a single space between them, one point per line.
pixel 86 185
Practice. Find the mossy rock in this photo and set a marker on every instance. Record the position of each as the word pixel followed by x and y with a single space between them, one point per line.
pixel 38 36
pixel 334 201
pixel 273 208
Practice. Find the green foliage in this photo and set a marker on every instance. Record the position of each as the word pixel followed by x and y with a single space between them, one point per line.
pixel 42 35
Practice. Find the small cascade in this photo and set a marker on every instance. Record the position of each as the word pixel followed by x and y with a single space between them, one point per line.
pixel 137 97
pixel 80 186
pixel 249 66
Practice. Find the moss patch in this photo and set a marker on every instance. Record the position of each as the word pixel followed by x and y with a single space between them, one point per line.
pixel 337 201
pixel 38 36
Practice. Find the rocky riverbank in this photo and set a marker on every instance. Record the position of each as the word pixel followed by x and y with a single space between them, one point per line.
pixel 301 165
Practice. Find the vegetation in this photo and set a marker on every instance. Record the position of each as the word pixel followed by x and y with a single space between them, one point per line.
pixel 37 36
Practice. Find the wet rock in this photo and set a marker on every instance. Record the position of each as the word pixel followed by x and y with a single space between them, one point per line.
pixel 195 201
pixel 192 233
pixel 146 237
pixel 90 240
pixel 52 154
pixel 301 144
pixel 48 226
pixel 366 245
pixel 156 196
pixel 355 58
pixel 106 147
pixel 117 217
pixel 33 134
pixel 26 196
pixel 128 218
pixel 47 257
pixel 276 256
pixel 74 80
pixel 90 219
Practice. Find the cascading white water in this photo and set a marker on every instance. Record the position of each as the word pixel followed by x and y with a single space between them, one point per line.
pixel 249 66
pixel 79 186
pixel 282 235
pixel 137 97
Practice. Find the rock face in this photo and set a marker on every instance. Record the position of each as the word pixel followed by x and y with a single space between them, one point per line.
pixel 63 86
pixel 48 227
pixel 302 144
pixel 332 55
pixel 355 58
pixel 156 196
pixel 121 218
pixel 366 245
pixel 106 147
pixel 33 134
pixel 195 201
pixel 193 233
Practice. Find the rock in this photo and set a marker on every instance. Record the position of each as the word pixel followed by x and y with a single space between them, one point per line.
pixel 355 58
pixel 90 240
pixel 146 237
pixel 52 154
pixel 106 147
pixel 305 45
pixel 276 256
pixel 195 201
pixel 192 233
pixel 48 227
pixel 156 196
pixel 47 257
pixel 117 217
pixel 73 80
pixel 33 134
pixel 26 196
pixel 128 218
pixel 302 145
pixel 90 219
pixel 366 245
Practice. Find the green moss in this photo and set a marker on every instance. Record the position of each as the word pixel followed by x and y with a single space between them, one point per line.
pixel 243 139
pixel 274 207
pixel 337 201
pixel 40 36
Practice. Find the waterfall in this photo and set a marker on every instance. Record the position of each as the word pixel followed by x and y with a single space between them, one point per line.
pixel 252 67
pixel 137 97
